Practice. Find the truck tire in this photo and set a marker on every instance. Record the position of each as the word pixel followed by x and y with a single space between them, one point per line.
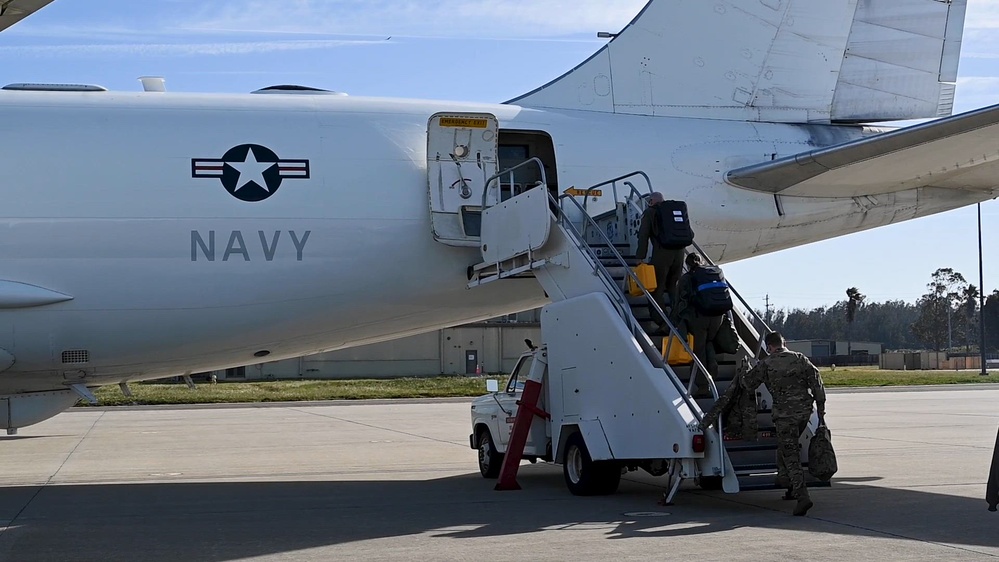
pixel 585 477
pixel 490 462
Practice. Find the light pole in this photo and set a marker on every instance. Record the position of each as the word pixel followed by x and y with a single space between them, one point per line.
pixel 950 306
pixel 981 295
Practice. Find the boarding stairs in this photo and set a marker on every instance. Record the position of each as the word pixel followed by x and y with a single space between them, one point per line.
pixel 583 263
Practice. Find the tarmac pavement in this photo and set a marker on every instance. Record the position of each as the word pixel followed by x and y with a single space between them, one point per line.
pixel 397 481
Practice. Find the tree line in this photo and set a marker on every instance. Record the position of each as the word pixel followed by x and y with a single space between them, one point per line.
pixel 946 317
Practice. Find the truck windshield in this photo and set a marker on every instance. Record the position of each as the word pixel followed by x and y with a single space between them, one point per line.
pixel 520 372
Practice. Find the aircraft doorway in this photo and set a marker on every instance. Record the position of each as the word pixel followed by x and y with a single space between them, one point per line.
pixel 516 147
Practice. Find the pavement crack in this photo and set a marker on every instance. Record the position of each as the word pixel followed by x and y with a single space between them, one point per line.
pixel 372 426
pixel 7 525
pixel 912 442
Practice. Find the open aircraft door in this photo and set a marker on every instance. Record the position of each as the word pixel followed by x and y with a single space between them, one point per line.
pixel 462 153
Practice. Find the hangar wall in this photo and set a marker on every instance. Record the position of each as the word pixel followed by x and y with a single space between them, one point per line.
pixel 490 347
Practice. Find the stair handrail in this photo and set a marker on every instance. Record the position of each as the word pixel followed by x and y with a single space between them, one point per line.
pixel 638 196
pixel 754 316
pixel 633 323
pixel 613 184
pixel 598 268
pixel 635 327
pixel 494 177
pixel 752 313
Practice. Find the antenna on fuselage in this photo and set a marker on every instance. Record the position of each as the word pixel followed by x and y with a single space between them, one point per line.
pixel 153 83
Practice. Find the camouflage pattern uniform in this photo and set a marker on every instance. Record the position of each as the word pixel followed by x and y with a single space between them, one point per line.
pixel 688 320
pixel 794 383
pixel 667 263
pixel 738 405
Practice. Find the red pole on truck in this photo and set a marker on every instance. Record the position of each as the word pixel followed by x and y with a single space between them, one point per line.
pixel 527 409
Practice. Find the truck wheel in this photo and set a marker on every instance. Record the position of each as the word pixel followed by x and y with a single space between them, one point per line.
pixel 490 461
pixel 585 477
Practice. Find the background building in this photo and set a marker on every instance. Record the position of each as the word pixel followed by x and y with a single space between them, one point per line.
pixel 487 347
pixel 830 352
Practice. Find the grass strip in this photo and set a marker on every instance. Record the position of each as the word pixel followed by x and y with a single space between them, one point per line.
pixel 290 391
pixel 446 387
pixel 877 377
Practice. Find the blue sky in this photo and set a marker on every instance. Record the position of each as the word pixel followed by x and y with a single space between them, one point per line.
pixel 481 50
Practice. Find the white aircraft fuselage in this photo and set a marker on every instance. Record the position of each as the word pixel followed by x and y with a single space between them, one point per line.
pixel 119 200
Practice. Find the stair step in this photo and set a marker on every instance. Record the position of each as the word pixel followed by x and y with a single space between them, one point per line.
pixel 611 260
pixel 623 249
pixel 617 270
pixel 748 446
pixel 758 468
pixel 763 455
pixel 766 482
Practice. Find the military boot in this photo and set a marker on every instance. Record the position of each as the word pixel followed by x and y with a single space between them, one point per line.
pixel 804 503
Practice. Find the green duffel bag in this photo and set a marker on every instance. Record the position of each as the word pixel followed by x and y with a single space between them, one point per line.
pixel 727 340
pixel 821 457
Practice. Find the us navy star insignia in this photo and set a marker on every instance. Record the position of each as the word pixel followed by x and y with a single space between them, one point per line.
pixel 250 172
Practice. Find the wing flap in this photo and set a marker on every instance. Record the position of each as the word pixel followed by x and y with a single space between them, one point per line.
pixel 956 152
pixel 13 11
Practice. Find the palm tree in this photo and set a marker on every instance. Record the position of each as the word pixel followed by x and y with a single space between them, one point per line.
pixel 970 305
pixel 854 300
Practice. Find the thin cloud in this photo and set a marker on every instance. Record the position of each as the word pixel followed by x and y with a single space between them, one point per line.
pixel 981 15
pixel 449 18
pixel 53 31
pixel 176 49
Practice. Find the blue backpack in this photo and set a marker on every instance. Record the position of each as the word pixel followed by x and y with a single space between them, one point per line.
pixel 711 295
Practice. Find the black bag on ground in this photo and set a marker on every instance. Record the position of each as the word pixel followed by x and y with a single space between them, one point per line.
pixel 673 230
pixel 727 340
pixel 821 457
pixel 711 294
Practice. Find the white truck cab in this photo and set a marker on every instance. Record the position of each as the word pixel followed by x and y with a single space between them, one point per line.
pixel 493 415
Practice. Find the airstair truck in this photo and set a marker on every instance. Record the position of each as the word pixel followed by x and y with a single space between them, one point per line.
pixel 597 396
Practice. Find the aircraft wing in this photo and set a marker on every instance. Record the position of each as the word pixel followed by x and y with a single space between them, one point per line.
pixel 956 152
pixel 13 11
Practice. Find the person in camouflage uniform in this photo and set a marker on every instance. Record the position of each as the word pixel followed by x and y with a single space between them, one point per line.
pixel 795 384
pixel 739 408
pixel 688 320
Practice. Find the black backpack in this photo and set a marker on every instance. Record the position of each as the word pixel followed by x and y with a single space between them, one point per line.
pixel 711 296
pixel 673 226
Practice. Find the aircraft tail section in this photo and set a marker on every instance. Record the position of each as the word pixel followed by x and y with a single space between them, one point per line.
pixel 789 61
pixel 13 11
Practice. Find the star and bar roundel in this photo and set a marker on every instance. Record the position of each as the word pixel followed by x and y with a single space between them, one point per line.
pixel 250 172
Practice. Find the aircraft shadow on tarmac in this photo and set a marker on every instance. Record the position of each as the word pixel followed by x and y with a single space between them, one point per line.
pixel 231 520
